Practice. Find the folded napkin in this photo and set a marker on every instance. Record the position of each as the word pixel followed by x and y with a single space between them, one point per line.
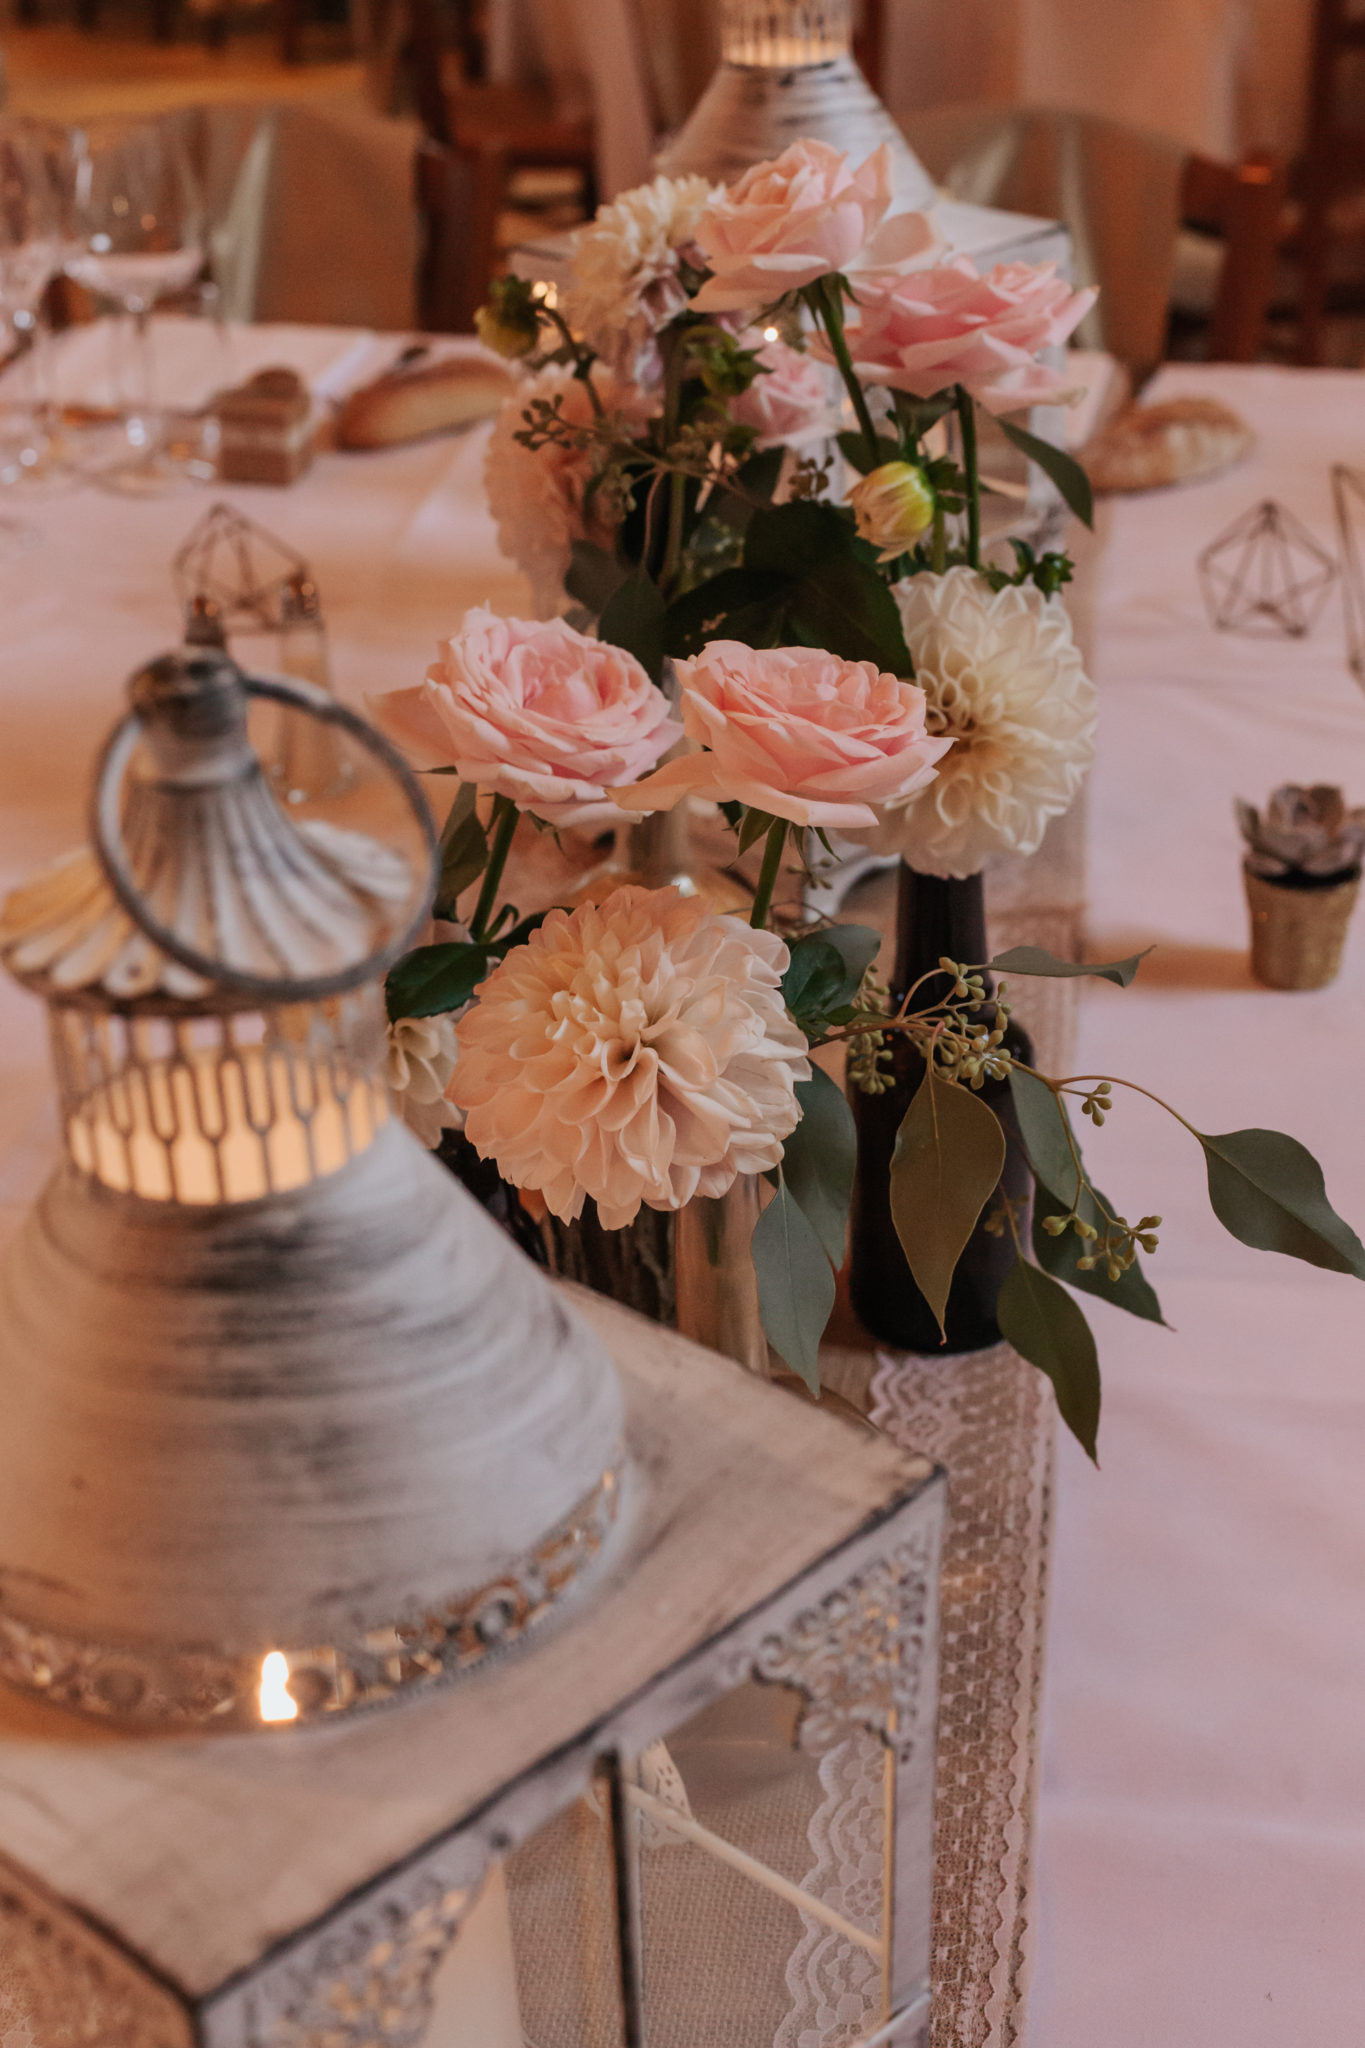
pixel 193 358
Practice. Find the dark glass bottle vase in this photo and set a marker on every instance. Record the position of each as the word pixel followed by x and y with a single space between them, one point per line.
pixel 935 919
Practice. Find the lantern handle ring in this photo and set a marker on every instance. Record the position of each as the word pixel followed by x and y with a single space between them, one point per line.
pixel 106 832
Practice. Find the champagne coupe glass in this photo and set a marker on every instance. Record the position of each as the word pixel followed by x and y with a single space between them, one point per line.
pixel 30 256
pixel 140 237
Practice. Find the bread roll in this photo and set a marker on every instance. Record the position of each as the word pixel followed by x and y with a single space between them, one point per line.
pixel 428 398
pixel 1151 446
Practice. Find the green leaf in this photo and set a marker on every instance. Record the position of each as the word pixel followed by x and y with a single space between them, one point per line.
pixel 818 1161
pixel 1043 1126
pixel 946 1165
pixel 1033 960
pixel 858 944
pixel 1267 1189
pixel 593 576
pixel 464 852
pixel 433 979
pixel 1070 479
pixel 1058 1256
pixel 795 1284
pixel 739 604
pixel 633 618
pixel 839 598
pixel 853 448
pixel 1038 1317
pixel 818 979
pixel 758 478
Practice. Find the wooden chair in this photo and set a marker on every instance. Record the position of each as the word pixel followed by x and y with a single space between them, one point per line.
pixel 459 198
pixel 1332 169
pixel 1244 204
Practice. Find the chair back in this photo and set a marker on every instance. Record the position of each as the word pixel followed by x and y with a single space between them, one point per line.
pixel 1244 203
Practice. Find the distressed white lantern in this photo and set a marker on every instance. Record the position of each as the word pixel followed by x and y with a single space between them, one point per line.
pixel 787 74
pixel 290 1425
pixel 695 1813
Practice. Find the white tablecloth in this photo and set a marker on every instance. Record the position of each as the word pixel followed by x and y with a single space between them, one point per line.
pixel 1202 1849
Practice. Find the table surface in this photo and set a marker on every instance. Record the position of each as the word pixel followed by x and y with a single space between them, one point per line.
pixel 1202 1847
pixel 1202 1844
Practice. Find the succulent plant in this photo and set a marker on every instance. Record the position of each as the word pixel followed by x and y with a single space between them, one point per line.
pixel 1304 832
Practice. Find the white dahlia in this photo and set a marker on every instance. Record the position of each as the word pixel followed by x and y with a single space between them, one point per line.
pixel 625 284
pixel 421 1059
pixel 1003 681
pixel 635 1050
pixel 539 496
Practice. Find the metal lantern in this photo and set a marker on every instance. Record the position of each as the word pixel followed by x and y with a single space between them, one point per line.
pixel 695 1813
pixel 290 1426
pixel 787 73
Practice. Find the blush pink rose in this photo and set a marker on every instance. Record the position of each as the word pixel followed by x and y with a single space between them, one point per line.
pixel 925 330
pixel 532 710
pixel 796 732
pixel 786 404
pixel 798 217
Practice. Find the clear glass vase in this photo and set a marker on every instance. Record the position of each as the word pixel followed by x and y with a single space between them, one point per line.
pixel 715 1285
pixel 657 853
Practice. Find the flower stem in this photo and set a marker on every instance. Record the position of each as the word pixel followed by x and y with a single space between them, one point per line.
pixel 767 879
pixel 966 413
pixel 825 300
pixel 505 820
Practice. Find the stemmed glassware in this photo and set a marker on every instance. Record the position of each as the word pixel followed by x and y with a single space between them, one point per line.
pixel 32 227
pixel 139 238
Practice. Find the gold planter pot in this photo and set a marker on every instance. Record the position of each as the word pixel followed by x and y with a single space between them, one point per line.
pixel 1297 935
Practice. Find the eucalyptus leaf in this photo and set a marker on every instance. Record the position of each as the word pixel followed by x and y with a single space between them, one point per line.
pixel 593 576
pixel 1064 470
pixel 1039 1318
pixel 948 1157
pixel 464 852
pixel 817 979
pixel 1267 1189
pixel 633 618
pixel 795 1284
pixel 858 944
pixel 432 980
pixel 1033 960
pixel 818 1161
pixel 1059 1255
pixel 1044 1126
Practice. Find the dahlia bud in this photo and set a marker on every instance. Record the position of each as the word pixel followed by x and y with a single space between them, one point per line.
pixel 893 506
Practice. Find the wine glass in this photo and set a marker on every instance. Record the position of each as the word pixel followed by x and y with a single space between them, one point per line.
pixel 140 237
pixel 30 256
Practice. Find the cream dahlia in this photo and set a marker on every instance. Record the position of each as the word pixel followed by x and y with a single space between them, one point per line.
pixel 625 284
pixel 1003 679
pixel 635 1050
pixel 539 497
pixel 421 1059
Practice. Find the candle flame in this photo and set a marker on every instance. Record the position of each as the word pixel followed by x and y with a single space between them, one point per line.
pixel 277 1702
pixel 770 334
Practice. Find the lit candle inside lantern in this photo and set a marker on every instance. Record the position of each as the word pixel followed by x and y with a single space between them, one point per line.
pixel 224 1124
pixel 276 1701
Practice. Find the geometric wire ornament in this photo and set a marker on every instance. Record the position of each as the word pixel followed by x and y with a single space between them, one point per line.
pixel 1348 497
pixel 242 568
pixel 1266 575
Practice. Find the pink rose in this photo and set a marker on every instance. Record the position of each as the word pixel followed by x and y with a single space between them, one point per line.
pixel 797 218
pixel 534 711
pixel 786 404
pixel 796 732
pixel 925 330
